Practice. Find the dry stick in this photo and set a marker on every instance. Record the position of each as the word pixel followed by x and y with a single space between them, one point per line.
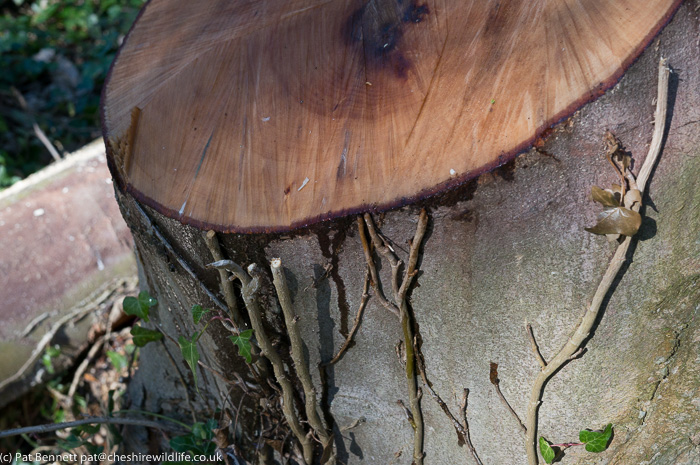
pixel 249 292
pixel 534 346
pixel 226 285
pixel 38 132
pixel 179 259
pixel 582 332
pixel 356 324
pixel 493 376
pixel 400 292
pixel 462 429
pixel 297 349
pixel 465 423
pixel 85 421
pixel 84 366
pixel 373 269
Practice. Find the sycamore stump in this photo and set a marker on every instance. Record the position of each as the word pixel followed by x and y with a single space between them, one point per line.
pixel 270 115
pixel 503 249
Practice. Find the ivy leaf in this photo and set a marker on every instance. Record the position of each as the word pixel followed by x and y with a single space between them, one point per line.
pixel 143 336
pixel 596 441
pixel 119 361
pixel 546 450
pixel 183 443
pixel 139 306
pixel 605 198
pixel 198 312
pixel 618 220
pixel 71 442
pixel 242 340
pixel 87 429
pixel 190 353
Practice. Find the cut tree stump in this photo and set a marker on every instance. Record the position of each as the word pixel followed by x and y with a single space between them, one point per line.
pixel 503 247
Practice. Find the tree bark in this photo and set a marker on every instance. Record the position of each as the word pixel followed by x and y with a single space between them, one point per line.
pixel 502 250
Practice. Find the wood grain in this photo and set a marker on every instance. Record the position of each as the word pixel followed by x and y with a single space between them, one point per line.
pixel 375 103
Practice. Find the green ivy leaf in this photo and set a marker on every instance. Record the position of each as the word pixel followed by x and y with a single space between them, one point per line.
pixel 139 306
pixel 118 360
pixel 546 450
pixel 190 353
pixel 596 441
pixel 70 443
pixel 146 300
pixel 87 429
pixel 143 336
pixel 242 340
pixel 198 312
pixel 618 220
pixel 183 443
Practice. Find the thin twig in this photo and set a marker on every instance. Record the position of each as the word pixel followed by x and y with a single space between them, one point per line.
pixel 179 259
pixel 38 132
pixel 297 349
pixel 356 324
pixel 588 320
pixel 376 284
pixel 38 429
pixel 250 284
pixel 387 252
pixel 493 375
pixel 535 347
pixel 400 291
pixel 462 429
pixel 84 366
pixel 226 285
pixel 465 423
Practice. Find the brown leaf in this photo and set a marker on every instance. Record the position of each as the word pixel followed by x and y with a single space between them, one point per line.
pixel 617 220
pixel 493 374
pixel 604 198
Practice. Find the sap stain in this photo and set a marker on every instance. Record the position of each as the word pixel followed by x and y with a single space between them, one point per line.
pixel 376 29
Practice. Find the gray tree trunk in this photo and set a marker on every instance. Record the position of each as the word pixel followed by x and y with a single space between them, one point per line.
pixel 506 248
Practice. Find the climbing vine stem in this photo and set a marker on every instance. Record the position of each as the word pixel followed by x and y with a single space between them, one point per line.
pixel 575 342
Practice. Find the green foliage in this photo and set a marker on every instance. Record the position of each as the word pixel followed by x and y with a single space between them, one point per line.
pixel 139 306
pixel 190 353
pixel 199 441
pixel 546 450
pixel 119 361
pixel 596 441
pixel 56 53
pixel 80 437
pixel 142 336
pixel 198 312
pixel 242 340
pixel 50 353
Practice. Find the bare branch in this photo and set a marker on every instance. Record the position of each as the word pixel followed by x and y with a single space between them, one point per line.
pixel 297 349
pixel 38 429
pixel 465 423
pixel 250 297
pixel 376 284
pixel 535 347
pixel 356 324
pixel 226 285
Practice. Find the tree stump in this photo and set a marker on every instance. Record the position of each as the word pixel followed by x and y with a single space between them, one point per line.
pixel 501 249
